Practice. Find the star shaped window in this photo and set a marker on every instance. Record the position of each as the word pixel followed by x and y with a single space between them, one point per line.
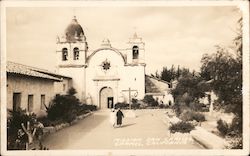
pixel 106 65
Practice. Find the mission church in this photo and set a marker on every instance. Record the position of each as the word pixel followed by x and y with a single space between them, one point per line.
pixel 107 73
pixel 102 77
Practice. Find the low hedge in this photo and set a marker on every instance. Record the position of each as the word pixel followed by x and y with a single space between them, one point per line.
pixel 88 107
pixel 121 105
pixel 135 106
pixel 182 126
pixel 191 115
pixel 162 106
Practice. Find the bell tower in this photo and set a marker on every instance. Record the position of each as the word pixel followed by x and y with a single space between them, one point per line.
pixel 71 53
pixel 135 51
pixel 72 46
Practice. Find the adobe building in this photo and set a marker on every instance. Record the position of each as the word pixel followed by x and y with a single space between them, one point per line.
pixel 32 88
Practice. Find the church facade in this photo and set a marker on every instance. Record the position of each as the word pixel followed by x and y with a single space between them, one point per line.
pixel 106 75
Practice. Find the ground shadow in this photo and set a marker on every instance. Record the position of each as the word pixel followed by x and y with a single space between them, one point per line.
pixel 126 125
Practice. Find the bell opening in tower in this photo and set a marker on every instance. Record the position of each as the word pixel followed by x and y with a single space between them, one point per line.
pixel 135 52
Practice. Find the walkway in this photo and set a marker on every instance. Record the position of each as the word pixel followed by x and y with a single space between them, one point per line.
pixel 146 131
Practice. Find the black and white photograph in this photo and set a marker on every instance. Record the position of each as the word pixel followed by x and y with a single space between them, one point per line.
pixel 124 78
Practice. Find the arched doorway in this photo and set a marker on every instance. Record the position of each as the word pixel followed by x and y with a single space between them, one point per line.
pixel 106 98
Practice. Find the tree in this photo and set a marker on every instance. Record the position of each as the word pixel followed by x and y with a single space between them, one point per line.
pixel 156 74
pixel 173 73
pixel 71 91
pixel 17 138
pixel 225 69
pixel 238 39
pixel 190 88
pixel 63 107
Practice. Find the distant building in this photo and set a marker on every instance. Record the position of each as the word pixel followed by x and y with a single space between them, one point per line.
pixel 210 97
pixel 32 88
pixel 159 89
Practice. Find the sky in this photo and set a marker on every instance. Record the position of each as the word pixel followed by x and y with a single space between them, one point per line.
pixel 172 35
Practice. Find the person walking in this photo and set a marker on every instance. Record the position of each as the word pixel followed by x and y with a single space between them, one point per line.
pixel 119 116
pixel 112 118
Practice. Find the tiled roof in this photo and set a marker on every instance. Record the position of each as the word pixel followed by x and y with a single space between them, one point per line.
pixel 16 68
pixel 155 86
pixel 51 73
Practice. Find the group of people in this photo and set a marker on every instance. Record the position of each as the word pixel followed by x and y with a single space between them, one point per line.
pixel 116 117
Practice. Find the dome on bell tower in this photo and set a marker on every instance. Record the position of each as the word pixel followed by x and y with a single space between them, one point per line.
pixel 74 31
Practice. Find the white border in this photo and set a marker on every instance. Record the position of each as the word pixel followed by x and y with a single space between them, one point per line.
pixel 243 5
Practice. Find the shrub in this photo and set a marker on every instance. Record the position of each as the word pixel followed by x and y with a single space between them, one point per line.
pixel 223 127
pixel 121 105
pixel 182 126
pixel 135 106
pixel 81 110
pixel 84 108
pixel 70 115
pixel 63 107
pixel 46 122
pixel 232 131
pixel 236 126
pixel 199 117
pixel 196 106
pixel 189 115
pixel 134 101
pixel 92 107
pixel 142 105
pixel 154 104
pixel 150 101
pixel 179 108
pixel 162 106
pixel 186 115
pixel 236 142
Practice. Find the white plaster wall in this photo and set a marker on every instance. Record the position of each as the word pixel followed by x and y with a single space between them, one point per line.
pixel 133 77
pixel 168 97
pixel 97 78
pixel 164 99
pixel 119 77
pixel 78 79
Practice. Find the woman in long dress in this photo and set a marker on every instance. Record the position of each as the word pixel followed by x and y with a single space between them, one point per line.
pixel 112 118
